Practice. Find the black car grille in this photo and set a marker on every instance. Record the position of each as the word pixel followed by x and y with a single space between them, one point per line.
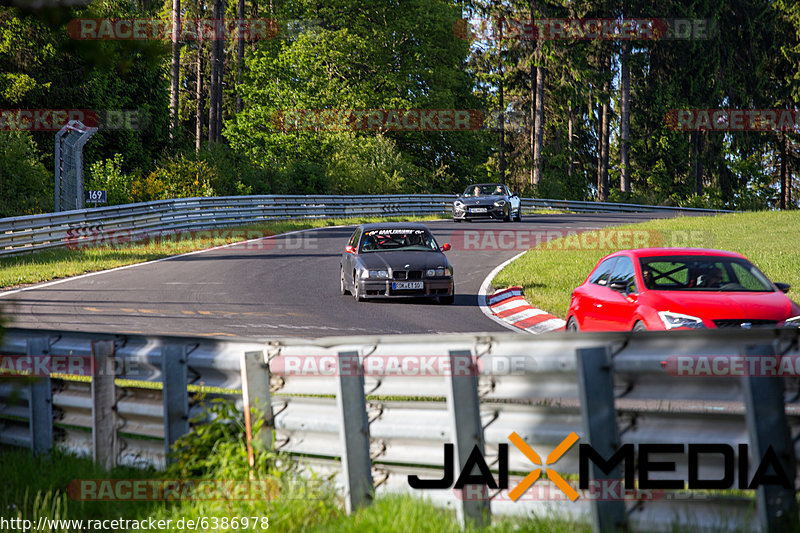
pixel 738 323
pixel 407 274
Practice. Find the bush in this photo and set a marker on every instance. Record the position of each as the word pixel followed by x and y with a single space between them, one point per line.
pixel 233 173
pixel 180 177
pixel 107 175
pixel 367 165
pixel 26 187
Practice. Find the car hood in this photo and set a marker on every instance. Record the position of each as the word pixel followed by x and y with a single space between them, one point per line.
pixel 725 305
pixel 480 200
pixel 397 260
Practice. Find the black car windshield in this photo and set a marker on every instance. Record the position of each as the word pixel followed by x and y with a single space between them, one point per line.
pixel 492 189
pixel 405 239
pixel 702 273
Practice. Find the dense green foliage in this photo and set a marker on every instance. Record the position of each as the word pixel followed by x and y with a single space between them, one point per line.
pixel 414 54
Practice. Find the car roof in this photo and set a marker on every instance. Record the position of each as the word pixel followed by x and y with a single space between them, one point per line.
pixel 393 225
pixel 657 252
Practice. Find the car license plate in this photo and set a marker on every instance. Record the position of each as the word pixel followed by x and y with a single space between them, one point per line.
pixel 477 209
pixel 408 285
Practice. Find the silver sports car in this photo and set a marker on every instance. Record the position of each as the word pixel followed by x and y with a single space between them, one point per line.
pixel 394 260
pixel 487 200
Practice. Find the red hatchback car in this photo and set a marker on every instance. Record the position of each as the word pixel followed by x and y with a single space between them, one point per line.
pixel 678 288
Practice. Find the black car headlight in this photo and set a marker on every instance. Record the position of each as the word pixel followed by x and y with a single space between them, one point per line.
pixel 793 322
pixel 438 272
pixel 379 274
pixel 500 203
pixel 458 204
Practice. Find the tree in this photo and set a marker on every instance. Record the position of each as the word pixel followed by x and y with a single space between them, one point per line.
pixel 175 69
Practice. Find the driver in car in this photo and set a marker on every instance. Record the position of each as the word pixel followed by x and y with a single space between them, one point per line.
pixel 476 191
pixel 711 279
pixel 499 190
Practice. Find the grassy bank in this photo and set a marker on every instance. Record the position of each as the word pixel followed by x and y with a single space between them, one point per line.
pixel 35 488
pixel 64 262
pixel 549 272
pixel 293 500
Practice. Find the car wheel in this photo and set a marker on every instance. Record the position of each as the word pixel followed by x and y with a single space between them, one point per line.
pixel 519 215
pixel 342 287
pixel 356 291
pixel 639 326
pixel 572 324
pixel 456 220
pixel 507 217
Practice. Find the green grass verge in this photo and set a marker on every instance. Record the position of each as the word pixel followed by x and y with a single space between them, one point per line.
pixel 549 272
pixel 37 487
pixel 63 262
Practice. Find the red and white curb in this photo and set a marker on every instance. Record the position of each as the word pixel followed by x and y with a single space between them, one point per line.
pixel 510 306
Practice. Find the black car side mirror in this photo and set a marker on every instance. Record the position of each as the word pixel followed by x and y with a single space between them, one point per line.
pixel 619 286
pixel 515 194
pixel 784 287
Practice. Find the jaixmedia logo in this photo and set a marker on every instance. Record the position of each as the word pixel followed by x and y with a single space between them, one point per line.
pixel 639 463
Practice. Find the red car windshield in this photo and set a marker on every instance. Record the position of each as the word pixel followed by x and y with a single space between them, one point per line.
pixel 702 273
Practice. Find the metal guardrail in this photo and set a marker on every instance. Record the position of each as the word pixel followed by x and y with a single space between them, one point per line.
pixel 121 223
pixel 372 409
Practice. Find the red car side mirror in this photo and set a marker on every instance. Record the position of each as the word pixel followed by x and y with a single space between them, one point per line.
pixel 445 246
pixel 349 249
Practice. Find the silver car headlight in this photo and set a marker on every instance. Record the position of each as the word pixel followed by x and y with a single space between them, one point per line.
pixel 793 322
pixel 677 320
pixel 363 274
pixel 379 273
pixel 431 272
pixel 458 204
pixel 500 203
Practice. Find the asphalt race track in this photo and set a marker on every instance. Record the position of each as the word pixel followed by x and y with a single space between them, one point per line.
pixel 282 287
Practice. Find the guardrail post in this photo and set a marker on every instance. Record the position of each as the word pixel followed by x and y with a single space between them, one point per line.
pixel 104 399
pixel 40 401
pixel 776 507
pixel 176 395
pixel 354 432
pixel 596 384
pixel 463 405
pixel 255 395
